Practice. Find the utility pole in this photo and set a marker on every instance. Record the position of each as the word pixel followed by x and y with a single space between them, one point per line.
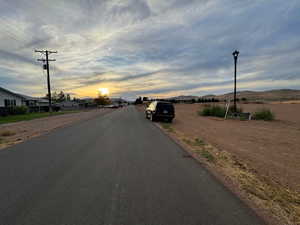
pixel 46 66
pixel 235 56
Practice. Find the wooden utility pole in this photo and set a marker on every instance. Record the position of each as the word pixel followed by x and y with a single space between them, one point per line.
pixel 46 66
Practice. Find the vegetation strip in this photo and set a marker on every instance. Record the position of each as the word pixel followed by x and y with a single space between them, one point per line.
pixel 30 116
pixel 281 202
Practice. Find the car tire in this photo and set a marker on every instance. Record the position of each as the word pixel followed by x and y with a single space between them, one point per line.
pixel 152 118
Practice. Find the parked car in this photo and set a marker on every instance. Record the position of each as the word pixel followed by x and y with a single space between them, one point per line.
pixel 159 110
pixel 112 106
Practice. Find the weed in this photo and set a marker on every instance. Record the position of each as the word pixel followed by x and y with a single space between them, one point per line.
pixel 167 126
pixel 187 141
pixel 264 114
pixel 199 142
pixel 206 154
pixel 7 133
pixel 196 142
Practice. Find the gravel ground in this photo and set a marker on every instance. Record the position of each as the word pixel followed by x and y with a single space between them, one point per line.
pixel 25 130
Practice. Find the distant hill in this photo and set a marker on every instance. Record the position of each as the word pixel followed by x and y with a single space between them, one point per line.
pixel 272 95
pixel 184 97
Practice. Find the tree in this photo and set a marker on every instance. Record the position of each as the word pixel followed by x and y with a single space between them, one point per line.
pixel 61 96
pixel 102 100
pixel 68 97
pixel 145 99
pixel 139 100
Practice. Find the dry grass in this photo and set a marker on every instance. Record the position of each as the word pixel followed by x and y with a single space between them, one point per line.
pixel 167 127
pixel 7 133
pixel 281 202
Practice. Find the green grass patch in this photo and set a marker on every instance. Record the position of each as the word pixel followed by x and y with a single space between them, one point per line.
pixel 167 127
pixel 263 114
pixel 30 116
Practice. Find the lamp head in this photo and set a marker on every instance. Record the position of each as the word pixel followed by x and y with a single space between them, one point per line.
pixel 235 54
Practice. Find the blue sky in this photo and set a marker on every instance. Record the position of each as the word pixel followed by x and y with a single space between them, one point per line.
pixel 150 47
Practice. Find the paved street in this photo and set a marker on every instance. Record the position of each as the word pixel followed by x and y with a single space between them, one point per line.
pixel 116 169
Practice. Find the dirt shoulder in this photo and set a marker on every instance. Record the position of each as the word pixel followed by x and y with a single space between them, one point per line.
pixel 257 160
pixel 14 133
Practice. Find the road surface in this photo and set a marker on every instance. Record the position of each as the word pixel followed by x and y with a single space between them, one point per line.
pixel 117 169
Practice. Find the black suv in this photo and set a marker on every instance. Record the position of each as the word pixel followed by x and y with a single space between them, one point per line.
pixel 160 110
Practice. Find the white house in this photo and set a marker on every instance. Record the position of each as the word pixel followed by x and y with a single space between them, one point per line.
pixel 9 99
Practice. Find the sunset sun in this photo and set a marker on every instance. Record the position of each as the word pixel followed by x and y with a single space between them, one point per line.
pixel 103 91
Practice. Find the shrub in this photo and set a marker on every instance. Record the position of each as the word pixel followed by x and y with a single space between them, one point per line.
pixel 238 110
pixel 263 114
pixel 218 111
pixel 215 110
pixel 18 110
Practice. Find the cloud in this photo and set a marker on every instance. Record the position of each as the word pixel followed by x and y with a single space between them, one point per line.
pixel 143 47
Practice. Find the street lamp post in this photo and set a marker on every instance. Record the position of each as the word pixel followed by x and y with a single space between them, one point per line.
pixel 235 56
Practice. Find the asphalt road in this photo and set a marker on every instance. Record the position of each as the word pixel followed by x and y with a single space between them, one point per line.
pixel 117 169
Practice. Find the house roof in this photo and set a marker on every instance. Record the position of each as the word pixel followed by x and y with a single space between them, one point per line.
pixel 24 97
pixel 10 92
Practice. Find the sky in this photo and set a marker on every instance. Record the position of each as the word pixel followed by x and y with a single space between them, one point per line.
pixel 149 48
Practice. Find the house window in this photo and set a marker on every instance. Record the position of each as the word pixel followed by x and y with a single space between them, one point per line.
pixel 6 102
pixel 9 102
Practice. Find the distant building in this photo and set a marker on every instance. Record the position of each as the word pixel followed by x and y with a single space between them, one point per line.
pixel 117 101
pixel 67 105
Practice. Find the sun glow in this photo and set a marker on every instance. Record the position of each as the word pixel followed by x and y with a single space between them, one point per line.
pixel 103 91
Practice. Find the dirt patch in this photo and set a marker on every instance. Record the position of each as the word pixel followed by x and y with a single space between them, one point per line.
pixel 270 147
pixel 14 133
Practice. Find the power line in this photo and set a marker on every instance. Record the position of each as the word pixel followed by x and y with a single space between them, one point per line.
pixel 46 67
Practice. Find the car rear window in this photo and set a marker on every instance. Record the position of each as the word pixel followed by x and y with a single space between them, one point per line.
pixel 166 106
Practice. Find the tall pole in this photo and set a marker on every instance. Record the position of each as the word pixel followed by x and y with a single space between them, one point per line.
pixel 47 53
pixel 235 56
pixel 48 82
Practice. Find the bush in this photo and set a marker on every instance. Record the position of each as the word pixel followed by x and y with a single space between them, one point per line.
pixel 238 110
pixel 18 110
pixel 215 110
pixel 218 111
pixel 263 114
